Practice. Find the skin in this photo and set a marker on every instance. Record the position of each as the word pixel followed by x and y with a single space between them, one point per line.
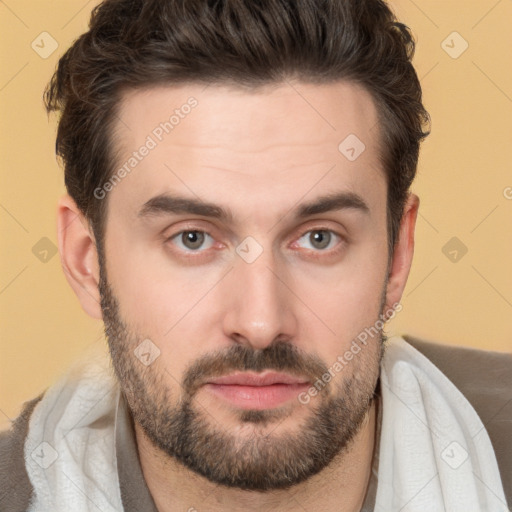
pixel 260 154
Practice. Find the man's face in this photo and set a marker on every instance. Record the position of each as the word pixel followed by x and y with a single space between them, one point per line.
pixel 261 291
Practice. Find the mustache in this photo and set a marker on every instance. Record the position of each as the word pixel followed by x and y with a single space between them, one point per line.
pixel 279 356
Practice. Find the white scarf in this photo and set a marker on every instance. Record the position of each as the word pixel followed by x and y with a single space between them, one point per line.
pixel 435 454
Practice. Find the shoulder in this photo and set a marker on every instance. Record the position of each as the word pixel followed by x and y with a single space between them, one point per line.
pixel 16 489
pixel 485 379
pixel 477 373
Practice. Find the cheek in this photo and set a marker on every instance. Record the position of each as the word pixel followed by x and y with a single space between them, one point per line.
pixel 163 304
pixel 341 316
pixel 154 293
pixel 343 304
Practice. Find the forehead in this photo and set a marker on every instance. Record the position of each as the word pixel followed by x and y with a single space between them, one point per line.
pixel 213 141
pixel 309 112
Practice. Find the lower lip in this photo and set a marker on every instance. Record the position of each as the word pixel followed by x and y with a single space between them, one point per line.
pixel 257 397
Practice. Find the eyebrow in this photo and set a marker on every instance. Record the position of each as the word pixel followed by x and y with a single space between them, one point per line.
pixel 165 204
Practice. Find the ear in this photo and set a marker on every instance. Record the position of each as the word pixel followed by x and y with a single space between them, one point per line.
pixel 403 252
pixel 78 255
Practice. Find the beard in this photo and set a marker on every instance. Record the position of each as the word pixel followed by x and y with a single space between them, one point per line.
pixel 248 457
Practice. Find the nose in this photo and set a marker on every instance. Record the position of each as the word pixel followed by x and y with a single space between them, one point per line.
pixel 260 304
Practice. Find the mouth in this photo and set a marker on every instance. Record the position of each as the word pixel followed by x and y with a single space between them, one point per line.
pixel 257 391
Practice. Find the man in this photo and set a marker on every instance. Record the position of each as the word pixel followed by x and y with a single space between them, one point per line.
pixel 239 216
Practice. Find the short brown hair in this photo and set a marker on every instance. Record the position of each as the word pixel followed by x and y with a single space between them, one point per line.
pixel 139 43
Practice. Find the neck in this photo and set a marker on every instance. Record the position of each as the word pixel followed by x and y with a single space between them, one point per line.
pixel 339 487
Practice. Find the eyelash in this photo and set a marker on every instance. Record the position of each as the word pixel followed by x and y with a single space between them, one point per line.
pixel 319 253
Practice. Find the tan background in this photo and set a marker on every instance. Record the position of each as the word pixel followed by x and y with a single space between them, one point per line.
pixel 464 181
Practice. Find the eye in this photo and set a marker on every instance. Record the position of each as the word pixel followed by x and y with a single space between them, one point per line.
pixel 320 239
pixel 198 241
pixel 191 240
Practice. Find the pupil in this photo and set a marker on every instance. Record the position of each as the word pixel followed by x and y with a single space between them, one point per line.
pixel 193 239
pixel 318 236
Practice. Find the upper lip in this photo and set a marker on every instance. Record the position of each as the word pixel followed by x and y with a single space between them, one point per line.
pixel 258 379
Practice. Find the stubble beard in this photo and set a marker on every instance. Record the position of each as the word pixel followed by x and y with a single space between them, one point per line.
pixel 267 458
